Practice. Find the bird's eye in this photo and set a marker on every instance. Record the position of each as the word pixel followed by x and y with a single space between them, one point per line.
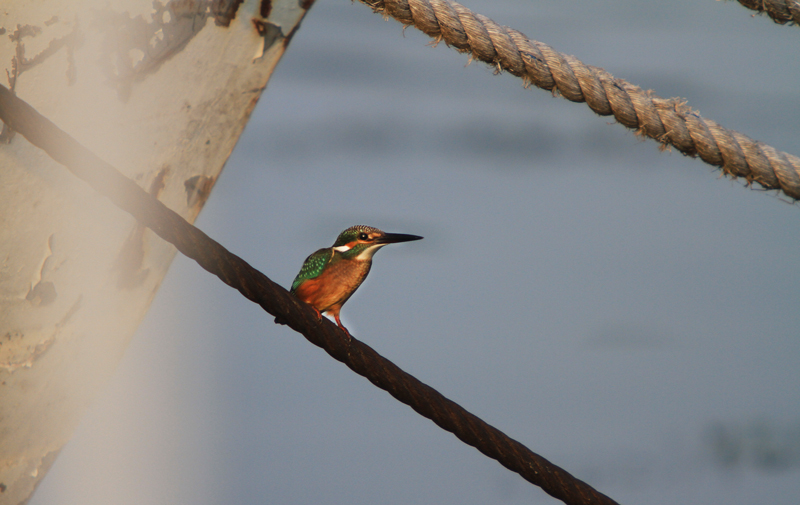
pixel 363 236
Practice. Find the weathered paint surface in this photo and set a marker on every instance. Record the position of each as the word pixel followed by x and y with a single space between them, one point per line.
pixel 160 89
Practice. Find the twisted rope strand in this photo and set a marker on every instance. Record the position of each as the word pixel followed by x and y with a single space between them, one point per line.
pixel 258 288
pixel 668 121
pixel 781 11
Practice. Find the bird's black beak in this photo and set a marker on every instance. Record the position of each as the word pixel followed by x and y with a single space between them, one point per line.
pixel 393 238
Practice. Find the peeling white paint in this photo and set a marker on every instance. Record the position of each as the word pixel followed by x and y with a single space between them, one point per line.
pixel 144 87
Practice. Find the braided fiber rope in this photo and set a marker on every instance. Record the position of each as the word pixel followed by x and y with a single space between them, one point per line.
pixel 255 286
pixel 781 11
pixel 669 121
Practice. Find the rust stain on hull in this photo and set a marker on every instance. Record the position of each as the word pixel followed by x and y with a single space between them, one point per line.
pixel 130 262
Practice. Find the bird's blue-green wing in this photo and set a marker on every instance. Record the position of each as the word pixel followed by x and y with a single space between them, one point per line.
pixel 312 267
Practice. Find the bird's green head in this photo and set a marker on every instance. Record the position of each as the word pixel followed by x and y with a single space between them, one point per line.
pixel 361 242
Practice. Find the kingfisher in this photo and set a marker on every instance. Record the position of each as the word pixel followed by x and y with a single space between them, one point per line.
pixel 330 276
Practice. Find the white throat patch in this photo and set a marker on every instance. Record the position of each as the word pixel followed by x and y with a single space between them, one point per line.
pixel 369 251
pixel 366 254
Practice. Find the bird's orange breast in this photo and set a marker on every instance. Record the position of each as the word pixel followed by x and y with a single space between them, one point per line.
pixel 330 289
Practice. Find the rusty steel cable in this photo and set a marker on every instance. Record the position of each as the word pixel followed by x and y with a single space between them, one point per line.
pixel 255 286
pixel 669 121
pixel 780 11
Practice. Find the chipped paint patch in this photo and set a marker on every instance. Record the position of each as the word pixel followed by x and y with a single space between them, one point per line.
pixel 265 8
pixel 16 353
pixel 130 261
pixel 22 347
pixel 224 11
pixel 270 32
pixel 42 292
pixel 198 188
pixel 173 24
pixel 21 63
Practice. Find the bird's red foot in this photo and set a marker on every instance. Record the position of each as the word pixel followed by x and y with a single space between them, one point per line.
pixel 339 323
